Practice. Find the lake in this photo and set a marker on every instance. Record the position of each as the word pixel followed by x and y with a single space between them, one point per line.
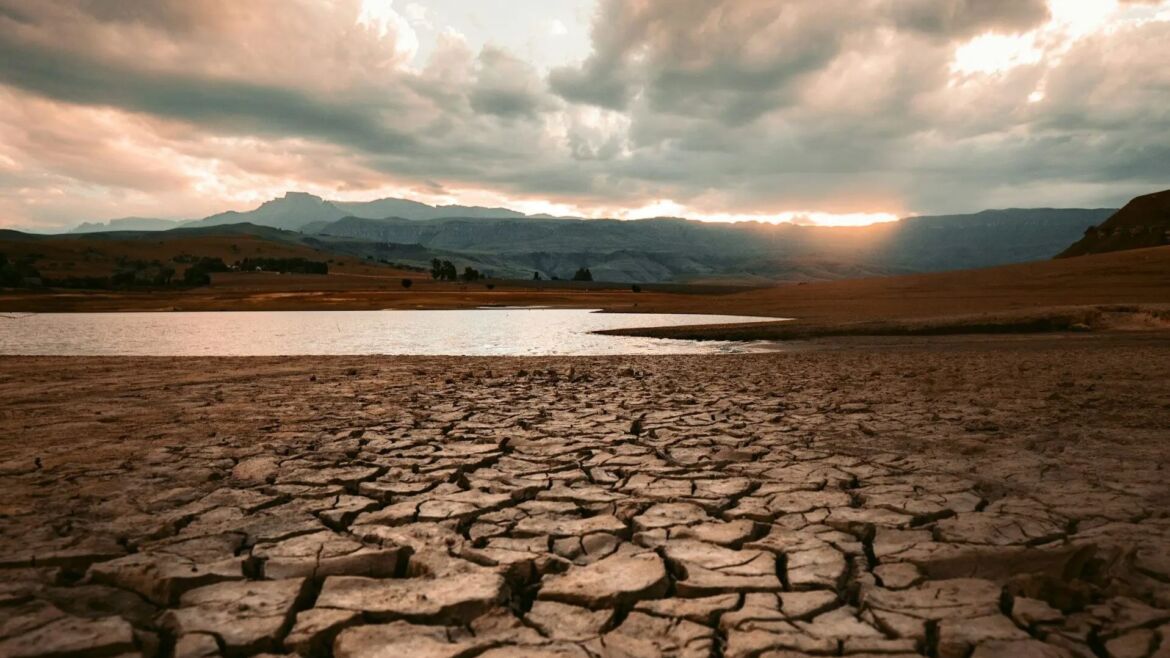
pixel 478 332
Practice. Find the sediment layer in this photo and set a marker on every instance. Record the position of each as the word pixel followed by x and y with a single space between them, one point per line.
pixel 945 497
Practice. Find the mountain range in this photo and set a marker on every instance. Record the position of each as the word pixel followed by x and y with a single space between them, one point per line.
pixel 510 244
pixel 685 250
pixel 296 210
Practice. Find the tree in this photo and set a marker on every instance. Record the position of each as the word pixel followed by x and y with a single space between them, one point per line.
pixel 17 272
pixel 443 270
pixel 636 288
pixel 536 276
pixel 284 265
pixel 407 283
pixel 199 274
pixel 471 274
pixel 164 275
pixel 583 274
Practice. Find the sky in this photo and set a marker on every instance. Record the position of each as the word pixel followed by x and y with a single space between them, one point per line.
pixel 815 111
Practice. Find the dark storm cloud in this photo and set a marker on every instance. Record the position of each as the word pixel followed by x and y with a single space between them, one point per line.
pixel 237 107
pixel 961 18
pixel 733 60
pixel 736 106
pixel 507 87
pixel 785 103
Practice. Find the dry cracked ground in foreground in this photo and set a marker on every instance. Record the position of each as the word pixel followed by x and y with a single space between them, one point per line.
pixel 946 498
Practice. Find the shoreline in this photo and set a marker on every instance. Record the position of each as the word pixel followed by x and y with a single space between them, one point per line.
pixel 1079 319
pixel 1113 292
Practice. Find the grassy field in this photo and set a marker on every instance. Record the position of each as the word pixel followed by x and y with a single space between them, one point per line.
pixel 1129 289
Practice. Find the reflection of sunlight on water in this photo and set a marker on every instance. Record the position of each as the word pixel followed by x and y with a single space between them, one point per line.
pixel 496 332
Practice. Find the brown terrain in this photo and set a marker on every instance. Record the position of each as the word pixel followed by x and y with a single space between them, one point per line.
pixel 1126 290
pixel 1120 290
pixel 945 496
pixel 938 496
pixel 61 256
pixel 1143 222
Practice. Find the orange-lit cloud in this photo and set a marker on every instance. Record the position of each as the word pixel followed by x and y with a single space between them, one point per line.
pixel 829 112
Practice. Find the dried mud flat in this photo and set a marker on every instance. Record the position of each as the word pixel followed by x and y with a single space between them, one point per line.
pixel 940 497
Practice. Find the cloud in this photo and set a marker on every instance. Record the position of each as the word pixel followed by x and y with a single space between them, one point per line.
pixel 966 18
pixel 727 108
pixel 507 87
pixel 839 105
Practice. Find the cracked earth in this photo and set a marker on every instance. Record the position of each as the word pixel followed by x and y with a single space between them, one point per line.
pixel 938 497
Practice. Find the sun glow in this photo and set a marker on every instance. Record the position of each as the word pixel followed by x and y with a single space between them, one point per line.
pixel 1069 21
pixel 1076 18
pixel 380 16
pixel 669 208
pixel 994 53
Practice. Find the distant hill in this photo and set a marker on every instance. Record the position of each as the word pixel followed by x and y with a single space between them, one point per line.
pixel 127 224
pixel 509 244
pixel 296 211
pixel 99 254
pixel 668 249
pixel 983 239
pixel 290 212
pixel 1143 222
pixel 419 211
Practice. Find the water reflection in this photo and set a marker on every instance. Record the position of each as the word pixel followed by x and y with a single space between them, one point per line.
pixel 480 332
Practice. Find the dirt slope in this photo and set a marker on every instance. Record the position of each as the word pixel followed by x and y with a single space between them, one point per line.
pixel 1143 222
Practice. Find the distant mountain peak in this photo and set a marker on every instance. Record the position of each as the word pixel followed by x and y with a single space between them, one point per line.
pixel 126 224
pixel 296 210
pixel 297 197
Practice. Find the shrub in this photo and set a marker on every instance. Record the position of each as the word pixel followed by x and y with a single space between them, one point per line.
pixel 406 283
pixel 16 273
pixel 199 274
pixel 285 265
pixel 636 288
pixel 443 270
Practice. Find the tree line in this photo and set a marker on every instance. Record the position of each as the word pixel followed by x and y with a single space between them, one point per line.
pixel 582 274
pixel 444 270
pixel 131 273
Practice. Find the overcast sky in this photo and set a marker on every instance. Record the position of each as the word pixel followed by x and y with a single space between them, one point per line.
pixel 838 111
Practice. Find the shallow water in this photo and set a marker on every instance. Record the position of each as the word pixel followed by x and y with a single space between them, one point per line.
pixel 479 332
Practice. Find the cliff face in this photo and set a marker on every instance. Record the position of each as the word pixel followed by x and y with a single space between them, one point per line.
pixel 1143 222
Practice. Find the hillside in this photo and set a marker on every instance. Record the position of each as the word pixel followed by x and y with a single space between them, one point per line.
pixel 100 254
pixel 1043 295
pixel 126 224
pixel 1143 222
pixel 509 244
pixel 676 249
pixel 1016 297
